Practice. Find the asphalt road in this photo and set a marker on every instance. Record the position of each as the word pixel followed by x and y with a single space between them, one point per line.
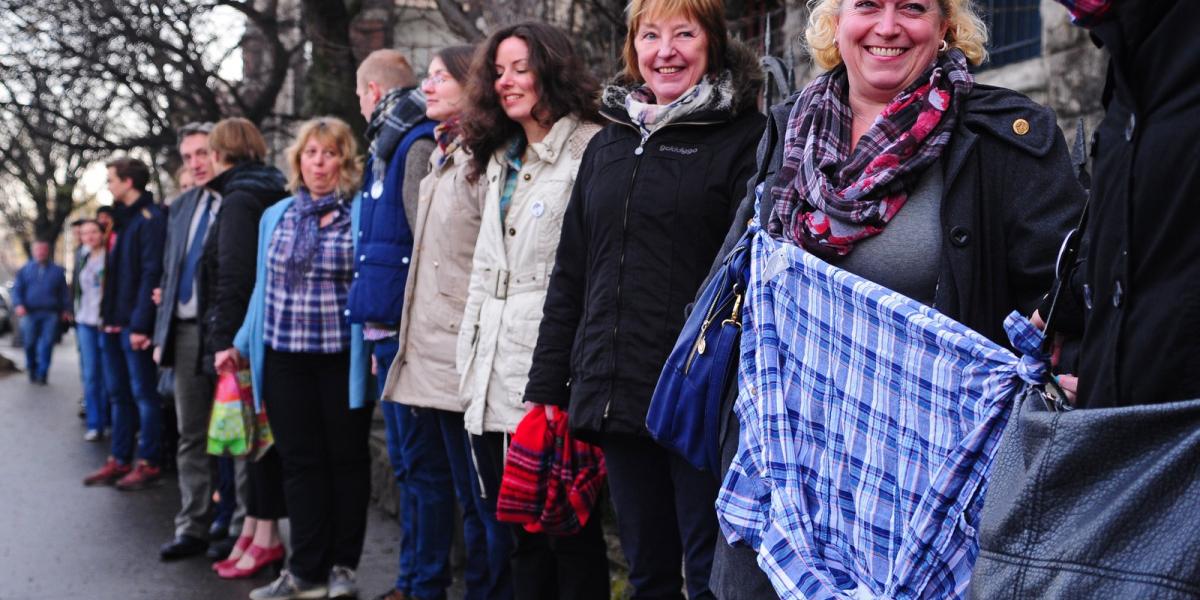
pixel 61 540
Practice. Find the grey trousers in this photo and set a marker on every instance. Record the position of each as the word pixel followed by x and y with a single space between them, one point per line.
pixel 193 405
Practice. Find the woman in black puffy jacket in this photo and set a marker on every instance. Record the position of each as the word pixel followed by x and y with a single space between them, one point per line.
pixel 655 194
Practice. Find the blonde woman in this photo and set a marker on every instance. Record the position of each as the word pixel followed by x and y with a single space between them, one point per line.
pixel 303 362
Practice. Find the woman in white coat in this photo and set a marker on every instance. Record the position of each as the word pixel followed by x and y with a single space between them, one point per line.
pixel 532 110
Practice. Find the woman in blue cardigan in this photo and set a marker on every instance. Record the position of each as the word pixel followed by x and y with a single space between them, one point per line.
pixel 307 362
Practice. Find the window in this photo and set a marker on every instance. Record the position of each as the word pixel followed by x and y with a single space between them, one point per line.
pixel 1016 30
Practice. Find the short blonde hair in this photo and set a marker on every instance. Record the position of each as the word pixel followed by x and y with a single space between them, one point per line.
pixel 237 140
pixel 709 14
pixel 387 68
pixel 967 31
pixel 335 132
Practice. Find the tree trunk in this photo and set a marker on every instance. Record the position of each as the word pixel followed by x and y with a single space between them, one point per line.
pixel 329 85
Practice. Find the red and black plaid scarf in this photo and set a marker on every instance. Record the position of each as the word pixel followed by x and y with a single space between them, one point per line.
pixel 828 198
pixel 551 481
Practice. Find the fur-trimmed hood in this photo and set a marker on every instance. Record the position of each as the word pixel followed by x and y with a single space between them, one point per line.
pixel 736 88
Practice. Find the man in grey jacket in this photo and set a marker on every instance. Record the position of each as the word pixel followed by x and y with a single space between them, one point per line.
pixel 177 342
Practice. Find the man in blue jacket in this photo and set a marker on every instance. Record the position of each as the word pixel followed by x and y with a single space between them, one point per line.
pixel 401 141
pixel 133 269
pixel 40 298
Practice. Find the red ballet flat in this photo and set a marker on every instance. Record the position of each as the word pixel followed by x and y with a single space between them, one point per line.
pixel 239 548
pixel 263 558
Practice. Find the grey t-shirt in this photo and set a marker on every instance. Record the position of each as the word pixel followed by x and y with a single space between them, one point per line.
pixel 904 257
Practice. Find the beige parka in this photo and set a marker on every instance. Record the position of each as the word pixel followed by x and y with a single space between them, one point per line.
pixel 510 274
pixel 445 229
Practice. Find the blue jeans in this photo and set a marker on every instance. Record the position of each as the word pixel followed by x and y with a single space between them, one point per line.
pixel 426 490
pixel 39 330
pixel 95 396
pixel 456 443
pixel 131 377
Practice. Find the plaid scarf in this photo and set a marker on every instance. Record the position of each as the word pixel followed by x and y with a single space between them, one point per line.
pixel 446 134
pixel 304 243
pixel 550 481
pixel 398 111
pixel 1087 13
pixel 829 198
pixel 648 116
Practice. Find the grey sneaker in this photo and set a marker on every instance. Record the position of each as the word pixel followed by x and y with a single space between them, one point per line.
pixel 288 587
pixel 342 583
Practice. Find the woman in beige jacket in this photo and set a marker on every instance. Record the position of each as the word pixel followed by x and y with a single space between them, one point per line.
pixel 532 112
pixel 432 447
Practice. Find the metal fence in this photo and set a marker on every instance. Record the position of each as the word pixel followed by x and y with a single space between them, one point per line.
pixel 1016 30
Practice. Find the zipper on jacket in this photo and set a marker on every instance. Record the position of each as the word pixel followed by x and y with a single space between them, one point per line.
pixel 637 152
pixel 621 262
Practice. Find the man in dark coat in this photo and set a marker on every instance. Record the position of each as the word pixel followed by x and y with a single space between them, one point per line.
pixel 132 271
pixel 40 298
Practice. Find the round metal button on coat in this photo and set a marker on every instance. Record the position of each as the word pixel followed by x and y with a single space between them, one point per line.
pixel 527 177
pixel 1020 127
pixel 512 231
pixel 960 236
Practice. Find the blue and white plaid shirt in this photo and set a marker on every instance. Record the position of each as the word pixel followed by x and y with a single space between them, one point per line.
pixel 310 318
pixel 868 426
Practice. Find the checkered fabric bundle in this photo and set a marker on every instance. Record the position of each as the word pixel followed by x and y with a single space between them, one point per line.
pixel 551 481
pixel 868 426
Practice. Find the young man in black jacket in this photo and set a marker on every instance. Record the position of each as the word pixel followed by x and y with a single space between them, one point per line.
pixel 132 270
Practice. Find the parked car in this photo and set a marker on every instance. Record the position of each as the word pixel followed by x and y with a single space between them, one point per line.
pixel 5 311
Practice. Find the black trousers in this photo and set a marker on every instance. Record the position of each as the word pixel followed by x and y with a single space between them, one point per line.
pixel 665 517
pixel 546 567
pixel 326 462
pixel 264 478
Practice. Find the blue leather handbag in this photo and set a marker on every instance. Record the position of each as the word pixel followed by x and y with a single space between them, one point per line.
pixel 685 411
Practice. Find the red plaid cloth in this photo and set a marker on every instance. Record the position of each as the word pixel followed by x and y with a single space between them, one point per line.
pixel 550 481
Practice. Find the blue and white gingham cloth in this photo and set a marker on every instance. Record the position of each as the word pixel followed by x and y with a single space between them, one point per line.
pixel 868 426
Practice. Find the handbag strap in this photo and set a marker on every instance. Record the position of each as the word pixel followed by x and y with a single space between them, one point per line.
pixel 1065 266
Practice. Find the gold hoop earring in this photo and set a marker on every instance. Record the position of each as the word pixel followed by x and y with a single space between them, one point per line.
pixel 944 46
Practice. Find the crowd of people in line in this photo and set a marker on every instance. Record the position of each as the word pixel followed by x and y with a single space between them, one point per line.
pixel 522 236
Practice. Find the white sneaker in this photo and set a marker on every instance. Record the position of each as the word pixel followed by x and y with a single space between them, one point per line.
pixel 92 435
pixel 288 587
pixel 342 583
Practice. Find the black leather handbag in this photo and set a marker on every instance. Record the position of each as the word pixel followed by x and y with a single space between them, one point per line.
pixel 1095 503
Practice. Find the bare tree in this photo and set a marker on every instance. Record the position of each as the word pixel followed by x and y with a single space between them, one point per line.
pixel 83 79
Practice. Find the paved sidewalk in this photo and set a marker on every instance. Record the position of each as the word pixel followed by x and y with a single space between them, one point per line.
pixel 60 540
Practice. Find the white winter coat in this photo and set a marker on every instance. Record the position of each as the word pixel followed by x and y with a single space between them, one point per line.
pixel 510 274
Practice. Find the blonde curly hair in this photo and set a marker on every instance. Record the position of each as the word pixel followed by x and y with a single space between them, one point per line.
pixel 967 31
pixel 334 132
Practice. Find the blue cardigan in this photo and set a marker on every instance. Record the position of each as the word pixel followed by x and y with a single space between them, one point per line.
pixel 250 340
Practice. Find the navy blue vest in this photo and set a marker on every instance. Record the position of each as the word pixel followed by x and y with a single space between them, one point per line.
pixel 385 241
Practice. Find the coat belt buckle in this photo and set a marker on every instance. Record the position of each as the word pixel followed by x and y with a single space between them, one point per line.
pixel 500 288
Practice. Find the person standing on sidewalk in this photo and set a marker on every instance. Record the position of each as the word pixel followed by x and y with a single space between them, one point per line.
pixel 401 140
pixel 132 270
pixel 309 367
pixel 41 299
pixel 89 282
pixel 177 342
pixel 531 113
pixel 421 383
pixel 248 187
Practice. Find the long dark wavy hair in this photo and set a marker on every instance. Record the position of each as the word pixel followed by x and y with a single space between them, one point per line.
pixel 565 86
